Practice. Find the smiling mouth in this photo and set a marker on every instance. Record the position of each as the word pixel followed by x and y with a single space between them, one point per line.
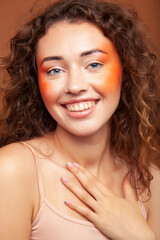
pixel 78 107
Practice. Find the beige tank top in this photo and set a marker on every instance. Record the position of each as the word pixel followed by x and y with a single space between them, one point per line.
pixel 52 224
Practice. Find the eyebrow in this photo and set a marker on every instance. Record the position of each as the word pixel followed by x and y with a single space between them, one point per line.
pixel 83 54
pixel 95 50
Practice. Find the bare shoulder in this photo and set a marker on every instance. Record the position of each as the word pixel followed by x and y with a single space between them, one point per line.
pixel 17 189
pixel 15 159
pixel 154 201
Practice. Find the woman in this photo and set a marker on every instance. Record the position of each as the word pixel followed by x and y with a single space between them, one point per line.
pixel 79 128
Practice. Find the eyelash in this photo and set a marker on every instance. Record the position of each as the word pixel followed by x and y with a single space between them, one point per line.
pixel 98 65
pixel 54 69
pixel 95 63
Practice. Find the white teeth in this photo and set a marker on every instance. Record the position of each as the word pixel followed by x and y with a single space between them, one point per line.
pixel 89 104
pixel 85 106
pixel 71 108
pixel 76 108
pixel 80 107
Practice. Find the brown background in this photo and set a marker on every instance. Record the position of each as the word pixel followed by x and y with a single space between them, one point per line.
pixel 13 13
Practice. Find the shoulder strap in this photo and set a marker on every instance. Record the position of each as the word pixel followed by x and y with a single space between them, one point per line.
pixel 39 175
pixel 143 210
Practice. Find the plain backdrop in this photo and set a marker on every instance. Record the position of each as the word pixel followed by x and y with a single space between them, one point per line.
pixel 13 13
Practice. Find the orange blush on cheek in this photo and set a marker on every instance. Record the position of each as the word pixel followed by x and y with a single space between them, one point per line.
pixel 112 81
pixel 44 85
pixel 48 90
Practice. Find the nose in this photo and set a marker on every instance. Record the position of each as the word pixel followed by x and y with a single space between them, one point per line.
pixel 76 82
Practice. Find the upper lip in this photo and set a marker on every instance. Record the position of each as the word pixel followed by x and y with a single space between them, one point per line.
pixel 78 100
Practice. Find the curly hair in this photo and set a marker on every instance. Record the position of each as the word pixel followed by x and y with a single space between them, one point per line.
pixel 135 124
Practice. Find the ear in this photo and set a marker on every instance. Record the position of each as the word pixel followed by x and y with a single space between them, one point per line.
pixel 129 192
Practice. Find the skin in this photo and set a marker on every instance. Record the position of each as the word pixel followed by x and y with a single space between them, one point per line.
pixel 100 180
pixel 77 78
pixel 102 201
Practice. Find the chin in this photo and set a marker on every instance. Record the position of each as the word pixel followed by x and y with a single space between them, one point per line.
pixel 86 131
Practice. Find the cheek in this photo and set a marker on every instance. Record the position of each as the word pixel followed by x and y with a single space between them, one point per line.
pixel 47 90
pixel 111 79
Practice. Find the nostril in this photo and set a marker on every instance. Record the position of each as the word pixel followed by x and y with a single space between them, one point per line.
pixel 76 85
pixel 75 91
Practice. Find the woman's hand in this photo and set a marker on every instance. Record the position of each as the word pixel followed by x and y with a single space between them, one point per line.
pixel 118 218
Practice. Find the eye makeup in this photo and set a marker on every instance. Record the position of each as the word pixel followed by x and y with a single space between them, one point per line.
pixel 110 78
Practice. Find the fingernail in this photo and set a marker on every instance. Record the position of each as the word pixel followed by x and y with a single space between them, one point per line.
pixel 70 165
pixel 76 164
pixel 64 179
pixel 67 202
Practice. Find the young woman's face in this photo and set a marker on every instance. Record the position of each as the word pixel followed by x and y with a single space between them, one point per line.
pixel 79 74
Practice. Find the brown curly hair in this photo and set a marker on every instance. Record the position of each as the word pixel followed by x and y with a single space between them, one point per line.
pixel 135 124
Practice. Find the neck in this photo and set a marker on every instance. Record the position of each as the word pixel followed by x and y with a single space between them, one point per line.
pixel 93 152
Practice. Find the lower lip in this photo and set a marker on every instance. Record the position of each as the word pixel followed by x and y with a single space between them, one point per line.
pixel 81 114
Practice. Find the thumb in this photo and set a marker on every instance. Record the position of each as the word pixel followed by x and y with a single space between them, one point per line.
pixel 128 190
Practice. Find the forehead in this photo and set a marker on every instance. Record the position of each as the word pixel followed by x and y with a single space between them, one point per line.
pixel 66 38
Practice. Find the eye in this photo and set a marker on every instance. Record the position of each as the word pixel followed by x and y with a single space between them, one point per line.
pixel 54 71
pixel 95 65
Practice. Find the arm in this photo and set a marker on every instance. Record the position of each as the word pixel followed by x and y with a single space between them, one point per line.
pixel 16 193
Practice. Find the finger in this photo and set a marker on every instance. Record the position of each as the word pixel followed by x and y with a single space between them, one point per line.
pixel 129 192
pixel 84 196
pixel 88 180
pixel 82 210
pixel 93 178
